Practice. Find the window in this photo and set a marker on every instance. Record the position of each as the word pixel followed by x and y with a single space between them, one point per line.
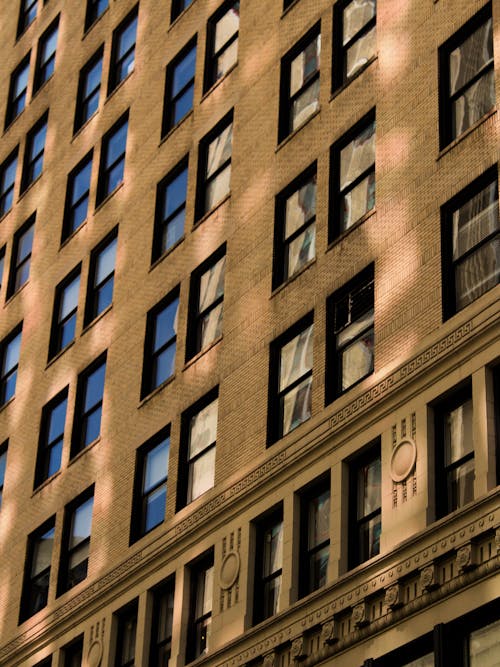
pixel 88 409
pixel 454 448
pixel 290 379
pixel 2 264
pixel 352 185
pixel 37 570
pixel 268 565
pixel 178 6
pixel 299 90
pixel 77 196
pixel 470 243
pixel 94 9
pixel 89 88
pixel 355 38
pixel 484 646
pixel 18 90
pixel 160 343
pixel 170 209
pixel 45 663
pixel 123 51
pixel 150 491
pixel 198 437
pixel 214 166
pixel 287 4
pixel 64 313
pixel 9 362
pixel 467 79
pixel 365 524
pixel 101 277
pixel 46 55
pixel 200 612
pixel 125 641
pixel 33 153
pixel 222 42
pixel 206 301
pixel 7 181
pixel 75 544
pixel 314 537
pixel 3 464
pixel 112 159
pixel 73 653
pixel 417 653
pixel 295 232
pixel 179 87
pixel 20 259
pixel 51 439
pixel 161 628
pixel 350 334
pixel 27 14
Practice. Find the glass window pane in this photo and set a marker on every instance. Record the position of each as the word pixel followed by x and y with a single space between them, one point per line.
pixel 273 549
pixel 156 465
pixel 212 284
pixel 227 26
pixel 227 59
pixel 458 432
pixel 473 54
pixel 478 273
pixel 173 231
pixel 42 552
pixel 11 356
pixel 296 405
pixel 357 156
pixel 301 250
pixel 126 39
pixel 155 509
pixel 165 325
pixel 369 490
pixel 300 207
pixel 164 365
pixel 476 101
pixel 305 65
pixel 219 150
pixel 116 144
pixel 272 591
pixel 319 519
pixel 94 387
pixel 475 220
pixel 201 474
pixel 296 358
pixel 69 298
pixel 105 262
pixel 357 360
pixel 92 427
pixel 369 538
pixel 81 523
pixel 461 485
pixel 358 201
pixel 218 188
pixel 305 104
pixel 210 326
pixel 318 567
pixel 356 16
pixel 484 646
pixel 56 421
pixel 175 194
pixel 203 429
pixel 184 71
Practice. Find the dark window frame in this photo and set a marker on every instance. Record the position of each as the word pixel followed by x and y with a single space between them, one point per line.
pixel 73 653
pixel 81 415
pixel 161 637
pixel 168 120
pixel 59 323
pixel 195 316
pixel 127 614
pixel 64 581
pixel 105 169
pixel 29 161
pixel 12 101
pixel 162 222
pixel 285 124
pixel 210 77
pixel 334 376
pixel 306 552
pixel 82 115
pixel 94 289
pixel 196 621
pixel 91 15
pixel 7 190
pixel 25 15
pixel 270 520
pixel 3 467
pixel 27 609
pixel 339 72
pixel 5 376
pixel 17 264
pixel 117 61
pixel 70 206
pixel 41 67
pixel 178 6
pixel 281 243
pixel 2 264
pixel 449 304
pixel 446 130
pixel 45 445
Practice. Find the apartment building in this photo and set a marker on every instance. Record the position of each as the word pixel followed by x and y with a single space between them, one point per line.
pixel 249 345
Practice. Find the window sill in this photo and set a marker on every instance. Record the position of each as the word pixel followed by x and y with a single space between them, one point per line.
pixel 346 84
pixel 57 356
pixel 178 18
pixel 86 32
pixel 118 86
pixel 217 83
pixel 212 210
pixel 11 297
pixel 7 403
pixel 290 136
pixel 156 391
pixel 72 235
pixel 29 187
pixel 2 217
pixel 465 134
pixel 351 229
pixel 284 284
pixel 167 252
pixel 175 127
pixel 42 86
pixel 108 197
pixel 84 125
pixel 12 122
pixel 83 451
pixel 202 353
pixel 96 319
pixel 46 483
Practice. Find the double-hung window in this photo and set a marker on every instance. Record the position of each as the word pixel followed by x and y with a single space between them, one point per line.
pixel 222 42
pixel 27 14
pixel 178 6
pixel 7 181
pixel 37 569
pixel 112 165
pixel 268 565
pixel 94 10
pixel 170 213
pixel 73 653
pixel 123 50
pixel 350 334
pixel 299 90
pixel 467 77
pixel 295 230
pixel 3 465
pixel 50 444
pixel 101 277
pixel 88 408
pixel 46 55
pixel 352 184
pixel 470 243
pixel 20 260
pixel 161 627
pixel 206 303
pixel 126 635
pixel 77 196
pixel 89 88
pixel 365 523
pixel 75 546
pixel 179 87
pixel 290 379
pixel 314 537
pixel 355 38
pixel 9 362
pixel 160 343
pixel 65 312
pixel 199 437
pixel 214 166
pixel 150 492
pixel 200 611
pixel 454 448
pixel 18 90
pixel 34 151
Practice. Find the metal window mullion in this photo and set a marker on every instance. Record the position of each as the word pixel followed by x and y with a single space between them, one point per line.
pixel 273 575
pixel 199 455
pixel 287 240
pixel 79 201
pixel 210 307
pixel 295 383
pixel 218 171
pixel 460 462
pixel 361 32
pixel 110 167
pixel 317 547
pixel 182 90
pixel 120 60
pixel 307 84
pixel 366 518
pixel 62 322
pixel 106 279
pixel 166 344
pixel 166 221
pixel 352 340
pixel 226 45
pixel 476 247
pixel 91 94
pixel 93 408
pixel 478 75
pixel 357 180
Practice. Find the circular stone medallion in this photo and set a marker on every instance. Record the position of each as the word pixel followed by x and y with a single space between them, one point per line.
pixel 403 460
pixel 229 570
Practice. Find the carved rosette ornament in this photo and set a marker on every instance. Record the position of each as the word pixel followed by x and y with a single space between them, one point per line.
pixel 329 633
pixel 269 659
pixel 465 557
pixel 428 579
pixel 297 651
pixel 393 597
pixel 359 615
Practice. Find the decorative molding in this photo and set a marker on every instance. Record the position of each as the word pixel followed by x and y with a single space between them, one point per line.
pixel 329 632
pixel 360 615
pixel 298 651
pixel 467 557
pixel 269 659
pixel 394 596
pixel 429 578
